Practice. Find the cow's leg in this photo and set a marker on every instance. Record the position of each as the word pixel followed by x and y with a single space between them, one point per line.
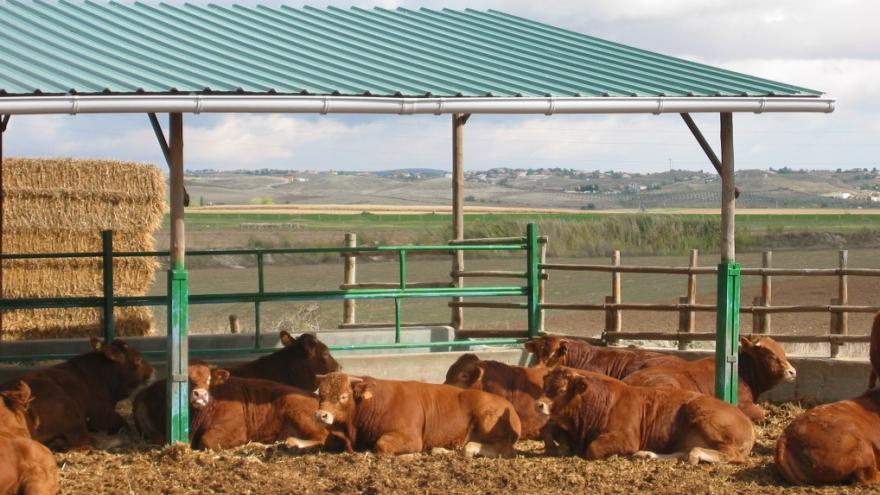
pixel 497 449
pixel 218 439
pixel 752 411
pixel 614 443
pixel 868 475
pixel 653 456
pixel 302 431
pixel 398 442
pixel 700 454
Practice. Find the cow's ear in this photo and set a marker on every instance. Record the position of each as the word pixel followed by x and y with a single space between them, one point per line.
pixel 113 353
pixel 287 340
pixel 477 374
pixel 745 342
pixel 563 349
pixel 363 390
pixel 219 376
pixel 19 397
pixel 96 343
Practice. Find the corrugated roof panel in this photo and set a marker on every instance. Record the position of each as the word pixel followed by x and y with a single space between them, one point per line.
pixel 89 47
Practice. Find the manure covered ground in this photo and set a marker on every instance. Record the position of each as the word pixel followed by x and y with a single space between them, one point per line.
pixel 259 469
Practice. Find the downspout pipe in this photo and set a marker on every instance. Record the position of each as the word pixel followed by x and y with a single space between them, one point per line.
pixel 261 103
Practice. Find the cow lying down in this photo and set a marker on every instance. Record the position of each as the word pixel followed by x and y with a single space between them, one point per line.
pixel 833 443
pixel 229 411
pixel 762 365
pixel 402 417
pixel 26 466
pixel 603 417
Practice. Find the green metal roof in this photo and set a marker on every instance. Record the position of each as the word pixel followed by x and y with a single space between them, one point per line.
pixel 92 48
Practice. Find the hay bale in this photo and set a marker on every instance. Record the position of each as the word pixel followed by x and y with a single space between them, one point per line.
pixel 62 205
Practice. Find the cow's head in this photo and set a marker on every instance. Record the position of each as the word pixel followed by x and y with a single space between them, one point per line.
pixel 549 350
pixel 338 396
pixel 307 356
pixel 466 372
pixel 134 371
pixel 560 385
pixel 201 379
pixel 14 410
pixel 770 362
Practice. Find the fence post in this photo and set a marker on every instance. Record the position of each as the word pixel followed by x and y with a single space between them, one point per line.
pixel 107 264
pixel 542 283
pixel 532 272
pixel 766 292
pixel 349 278
pixel 687 319
pixel 840 321
pixel 234 326
pixel 613 322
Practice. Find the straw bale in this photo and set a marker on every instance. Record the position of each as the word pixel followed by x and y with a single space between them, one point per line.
pixel 62 205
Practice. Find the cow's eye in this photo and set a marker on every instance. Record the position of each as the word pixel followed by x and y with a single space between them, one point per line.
pixel 343 397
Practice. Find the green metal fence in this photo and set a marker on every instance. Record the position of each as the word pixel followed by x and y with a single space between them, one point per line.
pixel 109 300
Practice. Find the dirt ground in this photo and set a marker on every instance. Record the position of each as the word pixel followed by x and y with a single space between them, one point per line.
pixel 251 469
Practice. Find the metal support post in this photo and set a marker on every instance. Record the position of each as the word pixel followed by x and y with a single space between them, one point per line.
pixel 532 273
pixel 107 265
pixel 4 122
pixel 177 413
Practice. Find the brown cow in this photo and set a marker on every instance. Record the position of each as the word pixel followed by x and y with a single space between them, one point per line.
pixel 398 417
pixel 521 386
pixel 604 417
pixel 875 352
pixel 232 411
pixel 551 351
pixel 833 443
pixel 26 466
pixel 296 364
pixel 80 395
pixel 762 366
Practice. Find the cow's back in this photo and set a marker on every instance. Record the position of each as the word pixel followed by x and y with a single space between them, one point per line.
pixel 26 466
pixel 614 362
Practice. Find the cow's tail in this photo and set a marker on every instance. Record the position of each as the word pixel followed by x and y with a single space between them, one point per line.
pixel 788 463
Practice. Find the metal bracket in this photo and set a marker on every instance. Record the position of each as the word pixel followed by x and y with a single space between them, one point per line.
pixel 166 151
pixel 464 118
pixel 4 121
pixel 707 148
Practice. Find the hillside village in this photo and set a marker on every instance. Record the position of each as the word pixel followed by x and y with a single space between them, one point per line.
pixel 539 187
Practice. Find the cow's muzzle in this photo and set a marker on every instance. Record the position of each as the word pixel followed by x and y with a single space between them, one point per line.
pixel 543 407
pixel 325 417
pixel 790 374
pixel 199 397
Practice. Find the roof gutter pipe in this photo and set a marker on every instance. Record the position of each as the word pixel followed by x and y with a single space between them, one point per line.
pixel 251 103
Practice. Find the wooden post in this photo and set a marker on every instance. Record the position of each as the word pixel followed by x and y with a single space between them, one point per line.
pixel 177 414
pixel 458 121
pixel 542 284
pixel 613 323
pixel 840 321
pixel 688 320
pixel 766 292
pixel 728 292
pixel 4 120
pixel 234 325
pixel 349 277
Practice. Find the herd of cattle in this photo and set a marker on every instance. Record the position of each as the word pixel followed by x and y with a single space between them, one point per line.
pixel 583 400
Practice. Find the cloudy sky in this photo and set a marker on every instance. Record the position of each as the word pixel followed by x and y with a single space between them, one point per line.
pixel 829 46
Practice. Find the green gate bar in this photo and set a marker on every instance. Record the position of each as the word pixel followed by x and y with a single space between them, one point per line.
pixel 532 273
pixel 727 333
pixel 178 350
pixel 109 323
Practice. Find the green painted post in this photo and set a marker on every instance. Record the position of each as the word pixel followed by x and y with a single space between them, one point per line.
pixel 396 320
pixel 107 266
pixel 727 332
pixel 178 351
pixel 532 271
pixel 261 287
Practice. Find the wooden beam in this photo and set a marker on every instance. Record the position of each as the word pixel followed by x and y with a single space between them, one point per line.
pixel 163 145
pixel 458 121
pixel 175 153
pixel 728 186
pixel 707 148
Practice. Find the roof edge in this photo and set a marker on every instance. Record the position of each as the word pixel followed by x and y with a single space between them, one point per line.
pixel 257 103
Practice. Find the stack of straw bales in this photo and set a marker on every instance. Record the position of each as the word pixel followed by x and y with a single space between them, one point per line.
pixel 62 205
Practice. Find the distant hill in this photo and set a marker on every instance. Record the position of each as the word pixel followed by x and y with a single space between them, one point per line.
pixel 550 188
